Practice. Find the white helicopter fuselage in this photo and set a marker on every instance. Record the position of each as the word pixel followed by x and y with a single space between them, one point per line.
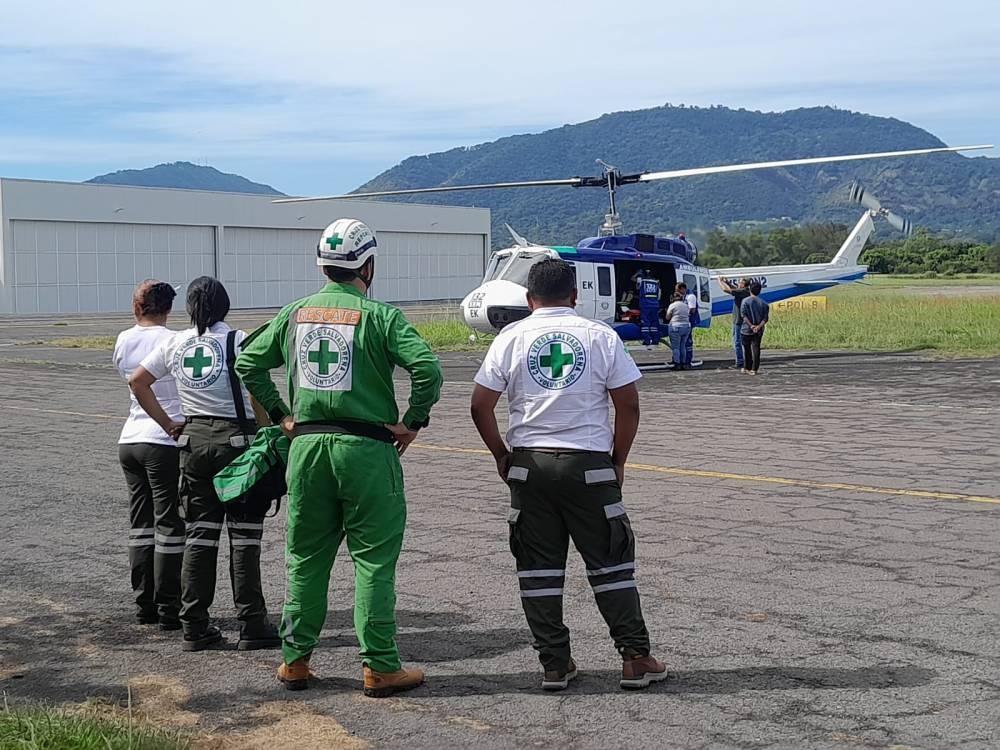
pixel 501 298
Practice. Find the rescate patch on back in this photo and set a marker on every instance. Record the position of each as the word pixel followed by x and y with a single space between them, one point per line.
pixel 330 315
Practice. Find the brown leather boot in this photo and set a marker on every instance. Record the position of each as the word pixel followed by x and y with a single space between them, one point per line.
pixel 295 676
pixel 383 684
pixel 558 679
pixel 641 671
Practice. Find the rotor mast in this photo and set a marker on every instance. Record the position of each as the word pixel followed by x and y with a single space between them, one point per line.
pixel 612 220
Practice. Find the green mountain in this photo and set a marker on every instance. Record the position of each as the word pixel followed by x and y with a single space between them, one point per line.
pixel 944 192
pixel 185 175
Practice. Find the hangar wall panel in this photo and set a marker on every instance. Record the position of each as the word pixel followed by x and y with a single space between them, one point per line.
pixel 68 247
pixel 270 267
pixel 93 267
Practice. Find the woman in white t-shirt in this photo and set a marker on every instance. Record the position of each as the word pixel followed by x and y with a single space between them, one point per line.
pixel 149 459
pixel 679 328
pixel 210 437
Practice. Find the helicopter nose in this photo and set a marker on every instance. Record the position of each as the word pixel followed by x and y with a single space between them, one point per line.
pixel 474 310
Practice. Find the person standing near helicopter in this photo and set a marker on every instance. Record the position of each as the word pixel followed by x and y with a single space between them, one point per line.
pixel 340 348
pixel 210 437
pixel 648 288
pixel 565 467
pixel 149 460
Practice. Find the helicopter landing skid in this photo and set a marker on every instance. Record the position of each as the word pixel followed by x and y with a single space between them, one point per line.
pixel 659 367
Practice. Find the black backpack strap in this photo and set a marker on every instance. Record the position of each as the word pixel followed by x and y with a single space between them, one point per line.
pixel 234 385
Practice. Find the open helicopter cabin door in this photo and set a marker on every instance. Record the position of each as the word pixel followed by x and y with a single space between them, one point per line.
pixel 595 289
pixel 697 282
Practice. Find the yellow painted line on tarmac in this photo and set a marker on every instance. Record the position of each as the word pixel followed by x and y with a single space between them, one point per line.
pixel 808 483
pixel 758 478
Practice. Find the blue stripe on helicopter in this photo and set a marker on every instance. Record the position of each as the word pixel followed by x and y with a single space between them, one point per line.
pixel 793 289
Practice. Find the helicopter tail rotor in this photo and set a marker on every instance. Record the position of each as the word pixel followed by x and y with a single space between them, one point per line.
pixel 860 195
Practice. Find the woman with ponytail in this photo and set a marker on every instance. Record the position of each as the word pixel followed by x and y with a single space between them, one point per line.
pixel 148 456
pixel 217 427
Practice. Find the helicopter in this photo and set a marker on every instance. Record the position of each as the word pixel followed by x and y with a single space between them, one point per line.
pixel 604 287
pixel 605 265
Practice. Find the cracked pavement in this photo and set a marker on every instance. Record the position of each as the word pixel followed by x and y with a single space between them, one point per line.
pixel 790 615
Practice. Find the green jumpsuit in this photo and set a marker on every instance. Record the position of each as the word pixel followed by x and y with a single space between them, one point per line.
pixel 340 349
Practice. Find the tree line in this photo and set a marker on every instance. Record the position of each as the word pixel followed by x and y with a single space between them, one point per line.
pixel 922 253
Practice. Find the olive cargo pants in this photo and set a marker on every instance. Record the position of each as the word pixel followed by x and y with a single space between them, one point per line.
pixel 556 496
pixel 208 450
pixel 343 486
pixel 156 536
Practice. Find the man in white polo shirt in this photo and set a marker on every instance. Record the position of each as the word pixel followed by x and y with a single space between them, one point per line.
pixel 565 468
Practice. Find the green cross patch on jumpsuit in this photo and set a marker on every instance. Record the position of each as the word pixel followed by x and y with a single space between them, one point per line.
pixel 342 485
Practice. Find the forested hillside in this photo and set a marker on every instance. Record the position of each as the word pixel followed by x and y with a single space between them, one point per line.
pixel 946 192
pixel 187 176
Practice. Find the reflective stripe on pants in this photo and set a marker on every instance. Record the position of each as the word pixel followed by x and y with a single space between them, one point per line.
pixel 207 452
pixel 563 496
pixel 156 537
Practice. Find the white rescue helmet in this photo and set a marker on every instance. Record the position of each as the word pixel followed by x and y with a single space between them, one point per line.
pixel 346 243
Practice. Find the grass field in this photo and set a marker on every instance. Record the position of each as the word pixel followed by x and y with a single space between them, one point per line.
pixel 886 313
pixel 60 729
pixel 969 325
pixel 974 279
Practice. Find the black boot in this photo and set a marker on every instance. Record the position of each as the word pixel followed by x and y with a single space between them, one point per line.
pixel 258 636
pixel 207 638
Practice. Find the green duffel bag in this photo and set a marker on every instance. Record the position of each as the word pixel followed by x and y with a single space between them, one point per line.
pixel 256 478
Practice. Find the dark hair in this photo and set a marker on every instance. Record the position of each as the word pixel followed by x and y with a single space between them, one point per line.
pixel 207 302
pixel 551 280
pixel 340 275
pixel 152 298
pixel 682 285
pixel 347 275
pixel 755 288
pixel 677 297
pixel 745 281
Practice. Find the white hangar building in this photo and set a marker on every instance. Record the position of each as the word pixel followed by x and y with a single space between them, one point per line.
pixel 79 248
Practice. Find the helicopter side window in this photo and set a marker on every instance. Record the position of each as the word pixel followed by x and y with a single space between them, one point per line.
pixel 706 295
pixel 604 281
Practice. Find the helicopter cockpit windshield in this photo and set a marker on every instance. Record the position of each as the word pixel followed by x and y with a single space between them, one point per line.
pixel 495 266
pixel 513 267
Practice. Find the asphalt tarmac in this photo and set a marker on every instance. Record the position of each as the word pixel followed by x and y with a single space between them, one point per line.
pixel 818 560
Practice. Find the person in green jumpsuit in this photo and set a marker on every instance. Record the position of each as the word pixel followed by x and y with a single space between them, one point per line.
pixel 344 477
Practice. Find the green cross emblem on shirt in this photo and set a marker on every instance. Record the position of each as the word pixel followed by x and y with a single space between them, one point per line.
pixel 198 363
pixel 333 240
pixel 323 357
pixel 556 359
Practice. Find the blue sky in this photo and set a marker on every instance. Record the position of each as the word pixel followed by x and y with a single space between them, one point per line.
pixel 317 98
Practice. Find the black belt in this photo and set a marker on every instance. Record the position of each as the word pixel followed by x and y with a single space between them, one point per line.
pixel 210 420
pixel 558 450
pixel 345 427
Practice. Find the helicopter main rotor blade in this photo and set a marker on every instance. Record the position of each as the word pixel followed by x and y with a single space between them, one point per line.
pixel 698 171
pixel 611 178
pixel 572 181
